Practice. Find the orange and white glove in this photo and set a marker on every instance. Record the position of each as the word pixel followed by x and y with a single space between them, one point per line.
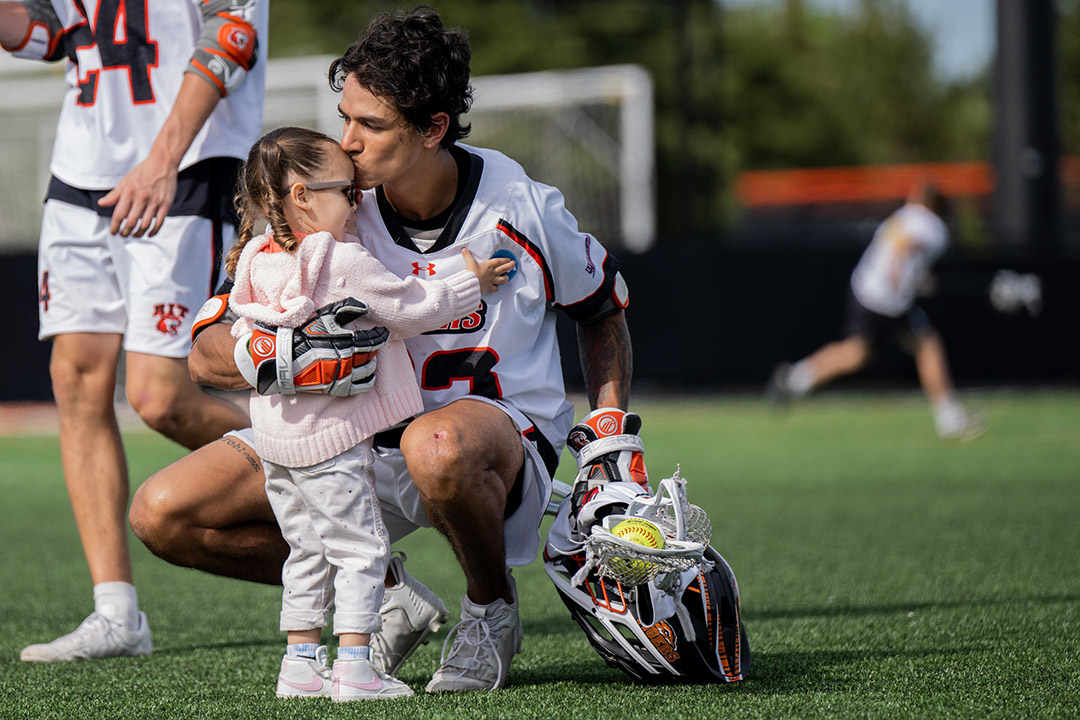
pixel 320 357
pixel 610 456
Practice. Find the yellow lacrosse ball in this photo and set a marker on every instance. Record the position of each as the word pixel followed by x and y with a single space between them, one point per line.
pixel 640 532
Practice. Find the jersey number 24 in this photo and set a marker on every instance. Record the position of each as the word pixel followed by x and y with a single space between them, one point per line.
pixel 122 43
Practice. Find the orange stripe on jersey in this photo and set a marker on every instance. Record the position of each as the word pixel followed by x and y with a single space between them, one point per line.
pixel 533 251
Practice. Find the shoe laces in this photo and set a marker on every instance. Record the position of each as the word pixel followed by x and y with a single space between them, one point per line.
pixel 95 629
pixel 473 633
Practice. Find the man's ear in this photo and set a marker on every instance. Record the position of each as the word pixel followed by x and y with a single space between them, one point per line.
pixel 440 123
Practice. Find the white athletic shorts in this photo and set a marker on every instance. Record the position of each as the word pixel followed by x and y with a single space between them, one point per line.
pixel 403 512
pixel 147 289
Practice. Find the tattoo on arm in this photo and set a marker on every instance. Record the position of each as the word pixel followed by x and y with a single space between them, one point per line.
pixel 243 450
pixel 606 361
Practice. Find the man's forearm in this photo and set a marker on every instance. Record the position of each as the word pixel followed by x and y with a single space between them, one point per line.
pixel 606 361
pixel 211 360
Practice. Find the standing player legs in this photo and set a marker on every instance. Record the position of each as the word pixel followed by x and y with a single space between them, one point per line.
pixel 209 511
pixel 162 393
pixel 83 369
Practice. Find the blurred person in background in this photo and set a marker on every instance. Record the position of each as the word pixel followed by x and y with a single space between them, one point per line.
pixel 881 303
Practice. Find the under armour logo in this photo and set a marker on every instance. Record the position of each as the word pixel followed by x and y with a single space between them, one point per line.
pixel 170 316
pixel 418 269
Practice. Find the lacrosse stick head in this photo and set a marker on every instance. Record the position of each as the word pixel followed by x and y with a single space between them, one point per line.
pixel 686 528
pixel 667 614
pixel 628 629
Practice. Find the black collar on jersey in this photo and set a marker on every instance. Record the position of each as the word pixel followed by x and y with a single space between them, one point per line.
pixel 470 168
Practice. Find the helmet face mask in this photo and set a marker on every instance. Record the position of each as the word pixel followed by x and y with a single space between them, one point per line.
pixel 619 623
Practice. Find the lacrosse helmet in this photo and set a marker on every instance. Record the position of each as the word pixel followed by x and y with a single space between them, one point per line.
pixel 622 626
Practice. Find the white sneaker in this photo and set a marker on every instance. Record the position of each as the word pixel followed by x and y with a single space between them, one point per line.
pixel 410 613
pixel 360 680
pixel 96 637
pixel 305 677
pixel 484 643
pixel 965 426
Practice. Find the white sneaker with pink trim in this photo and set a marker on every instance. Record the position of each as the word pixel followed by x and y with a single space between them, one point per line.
pixel 305 677
pixel 359 680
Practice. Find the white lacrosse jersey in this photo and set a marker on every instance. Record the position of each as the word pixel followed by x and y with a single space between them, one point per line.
pixel 507 349
pixel 904 248
pixel 125 63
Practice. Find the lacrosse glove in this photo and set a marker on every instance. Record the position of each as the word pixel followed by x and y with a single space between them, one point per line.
pixel 320 357
pixel 611 465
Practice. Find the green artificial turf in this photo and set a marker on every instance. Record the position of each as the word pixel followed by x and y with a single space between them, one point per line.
pixel 884 573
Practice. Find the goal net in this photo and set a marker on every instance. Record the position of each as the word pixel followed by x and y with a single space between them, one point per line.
pixel 588 132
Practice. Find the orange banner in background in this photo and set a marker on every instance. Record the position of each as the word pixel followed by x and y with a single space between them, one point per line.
pixel 871 183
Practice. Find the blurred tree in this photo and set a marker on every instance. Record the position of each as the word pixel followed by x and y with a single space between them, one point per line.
pixel 747 87
pixel 1068 39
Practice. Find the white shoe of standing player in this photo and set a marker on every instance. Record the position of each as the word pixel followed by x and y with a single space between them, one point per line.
pixel 410 613
pixel 96 637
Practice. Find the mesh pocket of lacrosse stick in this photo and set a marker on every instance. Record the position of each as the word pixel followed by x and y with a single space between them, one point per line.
pixel 632 564
pixel 687 530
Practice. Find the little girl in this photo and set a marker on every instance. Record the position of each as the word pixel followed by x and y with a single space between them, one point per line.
pixel 317 449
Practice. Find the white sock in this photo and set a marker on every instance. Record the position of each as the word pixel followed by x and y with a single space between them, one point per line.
pixel 302 650
pixel 354 652
pixel 118 602
pixel 801 379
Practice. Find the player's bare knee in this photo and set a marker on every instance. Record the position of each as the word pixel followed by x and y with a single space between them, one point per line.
pixel 83 382
pixel 438 462
pixel 161 416
pixel 152 517
pixel 161 408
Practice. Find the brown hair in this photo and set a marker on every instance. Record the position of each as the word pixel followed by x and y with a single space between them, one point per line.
pixel 263 183
pixel 420 67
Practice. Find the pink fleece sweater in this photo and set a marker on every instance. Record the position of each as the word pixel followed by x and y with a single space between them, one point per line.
pixel 284 289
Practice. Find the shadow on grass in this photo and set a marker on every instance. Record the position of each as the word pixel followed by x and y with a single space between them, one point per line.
pixel 179 650
pixel 788 672
pixel 562 625
pixel 895 608
pixel 588 668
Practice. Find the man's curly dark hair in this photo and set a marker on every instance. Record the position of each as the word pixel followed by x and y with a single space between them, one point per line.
pixel 410 60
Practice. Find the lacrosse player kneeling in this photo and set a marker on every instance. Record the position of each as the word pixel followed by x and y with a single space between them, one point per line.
pixel 669 608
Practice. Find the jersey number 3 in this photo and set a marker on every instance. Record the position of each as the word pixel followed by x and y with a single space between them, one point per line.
pixel 474 365
pixel 122 44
